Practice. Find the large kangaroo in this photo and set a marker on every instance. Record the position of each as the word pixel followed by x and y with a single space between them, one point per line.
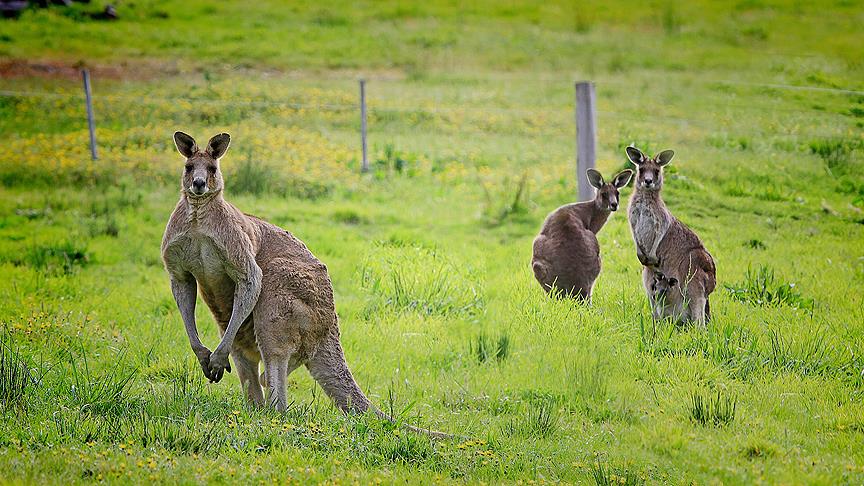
pixel 566 253
pixel 271 297
pixel 666 245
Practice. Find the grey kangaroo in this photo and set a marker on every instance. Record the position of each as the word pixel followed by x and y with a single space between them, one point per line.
pixel 566 252
pixel 272 299
pixel 666 245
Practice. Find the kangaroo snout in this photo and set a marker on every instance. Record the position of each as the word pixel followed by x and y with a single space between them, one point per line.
pixel 613 206
pixel 199 185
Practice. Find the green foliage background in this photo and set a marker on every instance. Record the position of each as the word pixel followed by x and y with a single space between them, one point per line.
pixel 471 138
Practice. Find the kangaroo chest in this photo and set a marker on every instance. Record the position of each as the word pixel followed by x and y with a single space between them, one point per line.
pixel 647 223
pixel 203 258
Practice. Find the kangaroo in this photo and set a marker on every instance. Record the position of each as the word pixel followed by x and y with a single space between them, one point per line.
pixel 272 299
pixel 566 253
pixel 666 299
pixel 665 244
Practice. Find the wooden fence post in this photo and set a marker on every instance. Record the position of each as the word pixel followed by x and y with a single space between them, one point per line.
pixel 90 123
pixel 586 136
pixel 364 167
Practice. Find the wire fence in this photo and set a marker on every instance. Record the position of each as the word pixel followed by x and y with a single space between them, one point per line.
pixel 331 106
pixel 379 109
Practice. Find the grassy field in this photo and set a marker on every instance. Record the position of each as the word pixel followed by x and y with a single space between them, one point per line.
pixel 471 140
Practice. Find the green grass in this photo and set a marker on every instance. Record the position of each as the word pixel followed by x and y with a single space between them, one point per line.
pixel 471 145
pixel 760 288
pixel 713 410
pixel 605 475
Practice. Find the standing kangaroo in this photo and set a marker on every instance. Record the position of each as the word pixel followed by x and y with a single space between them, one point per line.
pixel 271 297
pixel 666 245
pixel 566 253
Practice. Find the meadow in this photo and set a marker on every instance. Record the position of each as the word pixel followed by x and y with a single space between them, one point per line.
pixel 471 145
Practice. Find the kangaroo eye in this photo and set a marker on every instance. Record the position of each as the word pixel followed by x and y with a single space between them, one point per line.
pixel 189 168
pixel 212 169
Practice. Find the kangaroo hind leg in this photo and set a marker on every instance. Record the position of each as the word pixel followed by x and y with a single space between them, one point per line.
pixel 697 301
pixel 277 367
pixel 279 352
pixel 247 371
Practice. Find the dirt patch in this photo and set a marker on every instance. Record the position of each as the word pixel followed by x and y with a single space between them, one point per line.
pixel 21 68
pixel 151 69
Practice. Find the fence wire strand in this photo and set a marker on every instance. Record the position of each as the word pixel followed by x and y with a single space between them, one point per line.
pixel 426 107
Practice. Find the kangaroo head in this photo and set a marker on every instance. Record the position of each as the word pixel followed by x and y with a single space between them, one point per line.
pixel 649 171
pixel 662 284
pixel 201 176
pixel 607 192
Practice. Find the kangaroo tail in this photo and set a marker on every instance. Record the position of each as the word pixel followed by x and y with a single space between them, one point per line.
pixel 329 368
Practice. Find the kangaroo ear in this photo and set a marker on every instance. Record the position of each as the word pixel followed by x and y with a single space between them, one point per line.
pixel 185 144
pixel 673 281
pixel 594 178
pixel 664 157
pixel 218 145
pixel 635 155
pixel 623 178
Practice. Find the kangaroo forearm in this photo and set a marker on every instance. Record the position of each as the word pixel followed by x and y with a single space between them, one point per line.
pixel 652 254
pixel 658 238
pixel 184 295
pixel 245 298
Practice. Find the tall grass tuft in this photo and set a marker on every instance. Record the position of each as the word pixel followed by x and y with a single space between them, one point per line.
pixel 586 377
pixel 762 288
pixel 406 448
pixel 420 280
pixel 506 202
pixel 837 153
pixel 104 225
pixel 716 410
pixel 755 244
pixel 670 19
pixel 180 437
pixel 606 475
pixel 393 160
pixel 61 257
pixel 484 348
pixel 15 376
pixel 540 420
pixel 100 394
pixel 250 177
pixel 810 355
pixel 502 351
pixel 735 348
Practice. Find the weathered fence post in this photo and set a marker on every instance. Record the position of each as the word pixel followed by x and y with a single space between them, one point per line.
pixel 364 167
pixel 90 123
pixel 586 135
